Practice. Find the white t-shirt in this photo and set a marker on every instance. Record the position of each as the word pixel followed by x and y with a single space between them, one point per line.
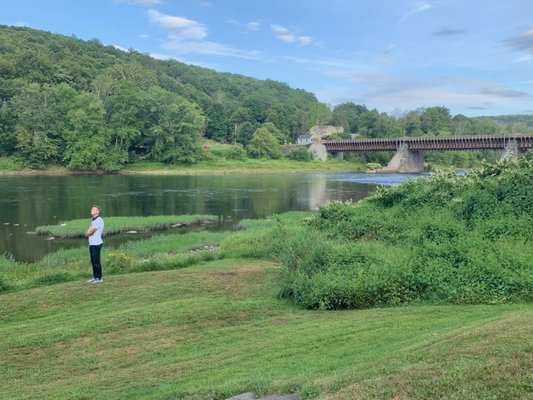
pixel 96 238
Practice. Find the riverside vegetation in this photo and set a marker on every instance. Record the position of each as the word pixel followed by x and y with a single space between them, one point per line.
pixel 208 315
pixel 113 225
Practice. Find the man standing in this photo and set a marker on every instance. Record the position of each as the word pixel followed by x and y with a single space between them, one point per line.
pixel 94 233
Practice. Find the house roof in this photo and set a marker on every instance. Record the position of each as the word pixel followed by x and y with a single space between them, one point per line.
pixel 306 136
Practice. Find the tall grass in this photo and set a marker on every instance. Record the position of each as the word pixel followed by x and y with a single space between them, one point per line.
pixel 447 239
pixel 114 225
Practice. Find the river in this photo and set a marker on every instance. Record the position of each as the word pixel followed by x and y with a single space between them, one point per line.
pixel 30 201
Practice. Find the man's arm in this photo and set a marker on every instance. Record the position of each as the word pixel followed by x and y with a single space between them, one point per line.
pixel 90 231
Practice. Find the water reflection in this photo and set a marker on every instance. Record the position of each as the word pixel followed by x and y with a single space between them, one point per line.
pixel 27 202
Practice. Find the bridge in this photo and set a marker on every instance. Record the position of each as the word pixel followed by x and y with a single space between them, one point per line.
pixel 408 157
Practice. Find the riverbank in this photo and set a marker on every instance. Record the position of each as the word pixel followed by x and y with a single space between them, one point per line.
pixel 216 167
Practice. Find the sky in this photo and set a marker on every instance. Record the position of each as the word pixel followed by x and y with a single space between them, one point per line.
pixel 473 56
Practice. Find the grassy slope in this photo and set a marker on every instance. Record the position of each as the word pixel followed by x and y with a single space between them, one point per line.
pixel 217 329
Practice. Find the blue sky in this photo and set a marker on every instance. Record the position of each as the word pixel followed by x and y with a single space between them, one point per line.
pixel 474 57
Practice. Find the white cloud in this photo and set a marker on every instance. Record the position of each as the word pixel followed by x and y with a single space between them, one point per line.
pixel 278 29
pixel 211 48
pixel 186 36
pixel 179 27
pixel 160 56
pixel 253 26
pixel 416 7
pixel 144 36
pixel 285 35
pixel 116 46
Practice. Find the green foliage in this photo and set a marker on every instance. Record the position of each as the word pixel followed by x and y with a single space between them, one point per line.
pixel 174 136
pixel 436 120
pixel 300 154
pixel 87 138
pixel 41 121
pixel 9 164
pixel 372 166
pixel 459 239
pixel 117 262
pixel 236 153
pixel 264 143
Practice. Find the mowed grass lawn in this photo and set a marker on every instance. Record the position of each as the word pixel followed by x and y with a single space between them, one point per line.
pixel 218 329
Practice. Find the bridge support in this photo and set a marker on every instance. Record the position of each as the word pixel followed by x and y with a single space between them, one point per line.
pixel 405 160
pixel 318 151
pixel 511 150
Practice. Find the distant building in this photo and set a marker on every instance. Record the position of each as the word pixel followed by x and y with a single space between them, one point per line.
pixel 305 139
pixel 320 131
pixel 316 133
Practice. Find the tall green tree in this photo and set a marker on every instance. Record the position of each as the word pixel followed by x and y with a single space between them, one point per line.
pixel 264 144
pixel 175 128
pixel 218 123
pixel 436 121
pixel 411 124
pixel 88 139
pixel 318 114
pixel 349 116
pixel 8 139
pixel 40 121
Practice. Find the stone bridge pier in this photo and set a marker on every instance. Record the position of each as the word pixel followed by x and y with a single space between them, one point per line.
pixel 511 150
pixel 405 160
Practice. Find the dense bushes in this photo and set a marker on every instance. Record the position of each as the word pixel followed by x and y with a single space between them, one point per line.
pixel 446 239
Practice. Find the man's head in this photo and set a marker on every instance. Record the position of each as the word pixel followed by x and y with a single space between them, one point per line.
pixel 95 211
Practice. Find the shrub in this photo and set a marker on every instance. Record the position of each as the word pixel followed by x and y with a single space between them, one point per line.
pixel 372 166
pixel 300 154
pixel 424 241
pixel 117 262
pixel 236 153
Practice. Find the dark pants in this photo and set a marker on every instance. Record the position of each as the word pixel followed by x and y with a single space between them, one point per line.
pixel 94 251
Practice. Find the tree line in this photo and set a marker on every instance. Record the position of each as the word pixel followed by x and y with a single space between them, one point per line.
pixel 64 101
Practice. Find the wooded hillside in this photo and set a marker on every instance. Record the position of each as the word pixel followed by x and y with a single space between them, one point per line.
pixel 86 105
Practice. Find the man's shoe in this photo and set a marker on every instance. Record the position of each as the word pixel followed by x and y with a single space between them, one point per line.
pixel 92 280
pixel 98 281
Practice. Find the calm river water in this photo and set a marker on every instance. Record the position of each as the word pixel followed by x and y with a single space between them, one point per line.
pixel 28 202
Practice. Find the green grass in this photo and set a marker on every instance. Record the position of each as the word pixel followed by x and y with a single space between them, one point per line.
pixel 114 225
pixel 157 330
pixel 223 166
pixel 218 329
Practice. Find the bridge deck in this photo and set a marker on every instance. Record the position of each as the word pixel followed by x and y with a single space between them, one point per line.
pixel 437 143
